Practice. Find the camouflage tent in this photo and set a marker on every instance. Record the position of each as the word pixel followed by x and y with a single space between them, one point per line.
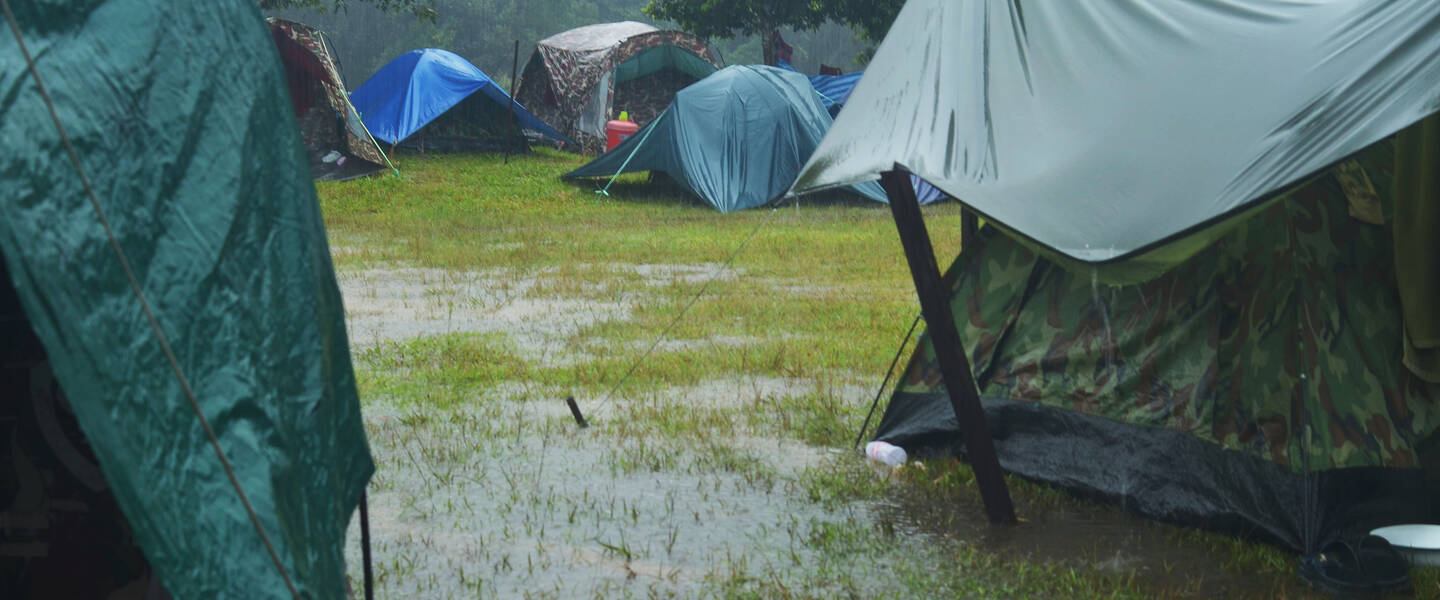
pixel 1257 386
pixel 579 79
pixel 327 120
pixel 1208 286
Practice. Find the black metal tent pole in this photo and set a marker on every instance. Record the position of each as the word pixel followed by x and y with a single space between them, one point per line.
pixel 954 367
pixel 369 582
pixel 514 72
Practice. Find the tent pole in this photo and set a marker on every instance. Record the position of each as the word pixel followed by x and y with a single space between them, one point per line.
pixel 514 72
pixel 365 544
pixel 954 367
pixel 969 227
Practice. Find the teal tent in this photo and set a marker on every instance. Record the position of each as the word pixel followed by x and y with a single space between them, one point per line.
pixel 174 264
pixel 736 139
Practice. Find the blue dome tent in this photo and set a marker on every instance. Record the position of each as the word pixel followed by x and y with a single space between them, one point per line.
pixel 449 102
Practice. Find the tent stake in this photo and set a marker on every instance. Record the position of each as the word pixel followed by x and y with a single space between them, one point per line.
pixel 954 367
pixel 575 412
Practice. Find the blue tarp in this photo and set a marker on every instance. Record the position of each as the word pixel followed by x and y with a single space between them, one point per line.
pixel 924 192
pixel 835 89
pixel 736 138
pixel 420 85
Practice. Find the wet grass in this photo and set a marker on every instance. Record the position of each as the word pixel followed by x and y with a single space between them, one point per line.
pixel 719 468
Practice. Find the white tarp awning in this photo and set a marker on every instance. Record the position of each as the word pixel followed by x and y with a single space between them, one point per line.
pixel 1100 129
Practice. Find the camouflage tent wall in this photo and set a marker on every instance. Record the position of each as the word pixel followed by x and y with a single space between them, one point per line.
pixel 562 75
pixel 1258 386
pixel 332 124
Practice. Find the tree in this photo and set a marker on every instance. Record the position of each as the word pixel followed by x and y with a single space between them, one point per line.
pixel 419 8
pixel 725 19
pixel 870 19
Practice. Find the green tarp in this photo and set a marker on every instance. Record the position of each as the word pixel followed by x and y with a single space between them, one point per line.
pixel 179 115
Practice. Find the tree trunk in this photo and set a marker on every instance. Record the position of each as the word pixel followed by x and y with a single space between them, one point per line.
pixel 767 45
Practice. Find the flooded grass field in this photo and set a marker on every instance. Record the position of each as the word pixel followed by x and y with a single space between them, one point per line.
pixel 480 295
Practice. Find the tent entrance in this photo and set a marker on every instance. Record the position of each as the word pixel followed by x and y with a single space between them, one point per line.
pixel 58 516
pixel 323 132
pixel 328 124
pixel 663 58
pixel 647 96
pixel 477 123
pixel 646 83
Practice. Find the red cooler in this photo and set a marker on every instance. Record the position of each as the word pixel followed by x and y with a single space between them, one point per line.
pixel 619 130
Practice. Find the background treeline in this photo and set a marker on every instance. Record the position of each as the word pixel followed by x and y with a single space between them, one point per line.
pixel 484 32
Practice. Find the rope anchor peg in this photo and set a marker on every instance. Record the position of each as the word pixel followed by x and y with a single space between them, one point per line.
pixel 575 412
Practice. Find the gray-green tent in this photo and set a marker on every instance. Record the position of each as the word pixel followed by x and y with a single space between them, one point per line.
pixel 736 138
pixel 185 141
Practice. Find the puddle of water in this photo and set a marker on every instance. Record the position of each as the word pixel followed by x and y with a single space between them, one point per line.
pixel 401 303
pixel 714 342
pixel 504 496
pixel 1078 534
pixel 746 391
pixel 532 506
pixel 404 303
pixel 661 274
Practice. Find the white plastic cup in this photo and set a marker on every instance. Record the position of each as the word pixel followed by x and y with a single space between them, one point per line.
pixel 886 452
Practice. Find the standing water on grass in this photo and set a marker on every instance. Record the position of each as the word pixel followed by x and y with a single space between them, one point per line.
pixel 517 502
pixel 1058 530
pixel 488 488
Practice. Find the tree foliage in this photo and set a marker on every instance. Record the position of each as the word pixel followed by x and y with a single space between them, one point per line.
pixel 366 34
pixel 419 8
pixel 724 19
pixel 870 19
